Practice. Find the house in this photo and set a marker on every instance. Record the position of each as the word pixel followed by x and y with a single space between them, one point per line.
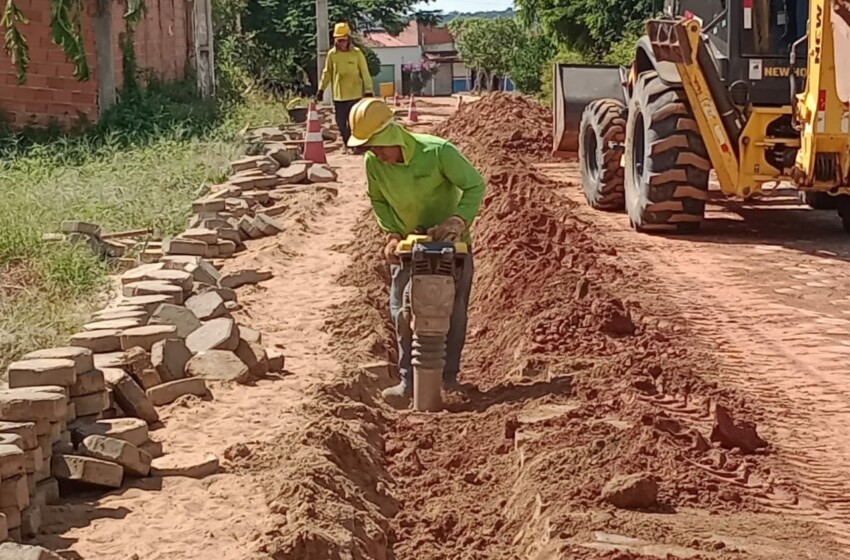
pixel 418 43
pixel 394 53
pixel 172 36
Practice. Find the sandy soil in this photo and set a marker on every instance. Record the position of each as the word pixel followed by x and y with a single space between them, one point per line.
pixel 223 515
pixel 597 352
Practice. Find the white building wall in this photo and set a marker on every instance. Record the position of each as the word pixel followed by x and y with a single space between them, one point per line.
pixel 398 56
pixel 440 47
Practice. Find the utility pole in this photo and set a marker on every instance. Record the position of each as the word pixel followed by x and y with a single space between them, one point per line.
pixel 322 38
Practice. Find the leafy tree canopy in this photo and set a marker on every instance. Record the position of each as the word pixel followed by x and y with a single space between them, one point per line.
pixel 589 27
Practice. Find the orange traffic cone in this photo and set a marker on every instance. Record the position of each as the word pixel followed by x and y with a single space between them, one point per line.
pixel 395 99
pixel 412 115
pixel 314 144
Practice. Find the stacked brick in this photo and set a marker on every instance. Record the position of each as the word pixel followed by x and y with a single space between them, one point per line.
pixel 32 422
pixel 245 207
pixel 81 414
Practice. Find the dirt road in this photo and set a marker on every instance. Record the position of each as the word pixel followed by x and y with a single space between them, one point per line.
pixel 765 287
pixel 600 357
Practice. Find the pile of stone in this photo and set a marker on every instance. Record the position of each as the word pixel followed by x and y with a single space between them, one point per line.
pixel 80 414
pixel 244 207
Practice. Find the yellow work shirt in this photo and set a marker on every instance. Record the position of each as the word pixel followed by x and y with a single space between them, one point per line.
pixel 349 74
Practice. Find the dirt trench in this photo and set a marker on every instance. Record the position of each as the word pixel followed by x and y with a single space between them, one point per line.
pixel 586 370
pixel 592 362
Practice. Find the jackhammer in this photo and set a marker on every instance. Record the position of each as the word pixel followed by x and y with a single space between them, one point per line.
pixel 435 267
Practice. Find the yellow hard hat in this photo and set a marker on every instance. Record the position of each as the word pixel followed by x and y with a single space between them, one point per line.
pixel 368 117
pixel 341 30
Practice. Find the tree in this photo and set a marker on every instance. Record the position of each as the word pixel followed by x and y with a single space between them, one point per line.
pixel 529 60
pixel 290 25
pixel 589 27
pixel 486 45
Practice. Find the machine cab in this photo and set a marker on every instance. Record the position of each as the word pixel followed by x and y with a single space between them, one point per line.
pixel 751 42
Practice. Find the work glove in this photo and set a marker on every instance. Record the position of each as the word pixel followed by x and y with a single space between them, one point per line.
pixel 368 94
pixel 451 230
pixel 391 247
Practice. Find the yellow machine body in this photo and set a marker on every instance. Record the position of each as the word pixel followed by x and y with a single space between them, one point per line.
pixel 823 159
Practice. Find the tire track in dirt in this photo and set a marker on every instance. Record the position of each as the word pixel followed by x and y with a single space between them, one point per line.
pixel 776 316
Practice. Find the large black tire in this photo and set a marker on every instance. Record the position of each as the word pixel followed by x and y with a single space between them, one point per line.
pixel 819 200
pixel 666 162
pixel 603 124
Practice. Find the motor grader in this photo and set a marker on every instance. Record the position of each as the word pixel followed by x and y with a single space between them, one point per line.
pixel 756 90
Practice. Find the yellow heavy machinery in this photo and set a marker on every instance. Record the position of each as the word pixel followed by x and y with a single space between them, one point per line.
pixel 756 90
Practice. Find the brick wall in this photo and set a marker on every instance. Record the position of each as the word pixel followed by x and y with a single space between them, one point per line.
pixel 162 39
pixel 51 91
pixel 162 44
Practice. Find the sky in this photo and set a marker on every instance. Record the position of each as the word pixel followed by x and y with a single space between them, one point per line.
pixel 468 5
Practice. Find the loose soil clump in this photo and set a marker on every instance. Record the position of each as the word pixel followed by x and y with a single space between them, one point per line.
pixel 578 382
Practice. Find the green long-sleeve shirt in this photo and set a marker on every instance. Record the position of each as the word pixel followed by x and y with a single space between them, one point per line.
pixel 434 183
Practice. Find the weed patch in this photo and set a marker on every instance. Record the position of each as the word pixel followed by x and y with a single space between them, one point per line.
pixel 140 167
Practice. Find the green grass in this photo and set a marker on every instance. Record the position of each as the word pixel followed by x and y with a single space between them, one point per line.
pixel 140 167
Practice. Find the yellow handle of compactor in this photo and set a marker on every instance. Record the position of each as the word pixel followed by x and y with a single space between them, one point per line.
pixel 406 245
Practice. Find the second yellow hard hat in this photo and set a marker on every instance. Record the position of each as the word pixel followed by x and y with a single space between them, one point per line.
pixel 341 30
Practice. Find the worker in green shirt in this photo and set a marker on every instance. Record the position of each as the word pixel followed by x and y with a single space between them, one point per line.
pixel 347 70
pixel 418 180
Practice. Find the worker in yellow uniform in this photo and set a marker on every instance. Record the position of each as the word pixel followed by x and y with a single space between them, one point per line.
pixel 418 180
pixel 345 69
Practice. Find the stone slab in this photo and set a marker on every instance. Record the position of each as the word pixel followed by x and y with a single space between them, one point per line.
pixel 218 334
pixel 154 288
pixel 30 405
pixel 169 392
pixel 87 383
pixel 245 277
pixel 109 360
pixel 98 341
pixel 87 405
pixel 149 303
pixel 169 358
pixel 133 312
pixel 114 324
pixel 191 465
pixel 31 520
pixel 82 357
pixel 208 236
pixel 87 470
pixel 145 337
pixel 254 356
pixel 42 371
pixel 250 335
pixel 185 247
pixel 206 306
pixel 135 461
pixel 12 461
pixel 218 365
pixel 25 431
pixel 180 317
pixel 131 430
pixel 14 492
pixel 129 396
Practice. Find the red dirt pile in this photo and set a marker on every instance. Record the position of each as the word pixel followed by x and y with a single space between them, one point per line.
pixel 580 388
pixel 513 123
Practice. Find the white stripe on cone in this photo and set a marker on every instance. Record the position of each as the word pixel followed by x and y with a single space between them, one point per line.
pixel 313 137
